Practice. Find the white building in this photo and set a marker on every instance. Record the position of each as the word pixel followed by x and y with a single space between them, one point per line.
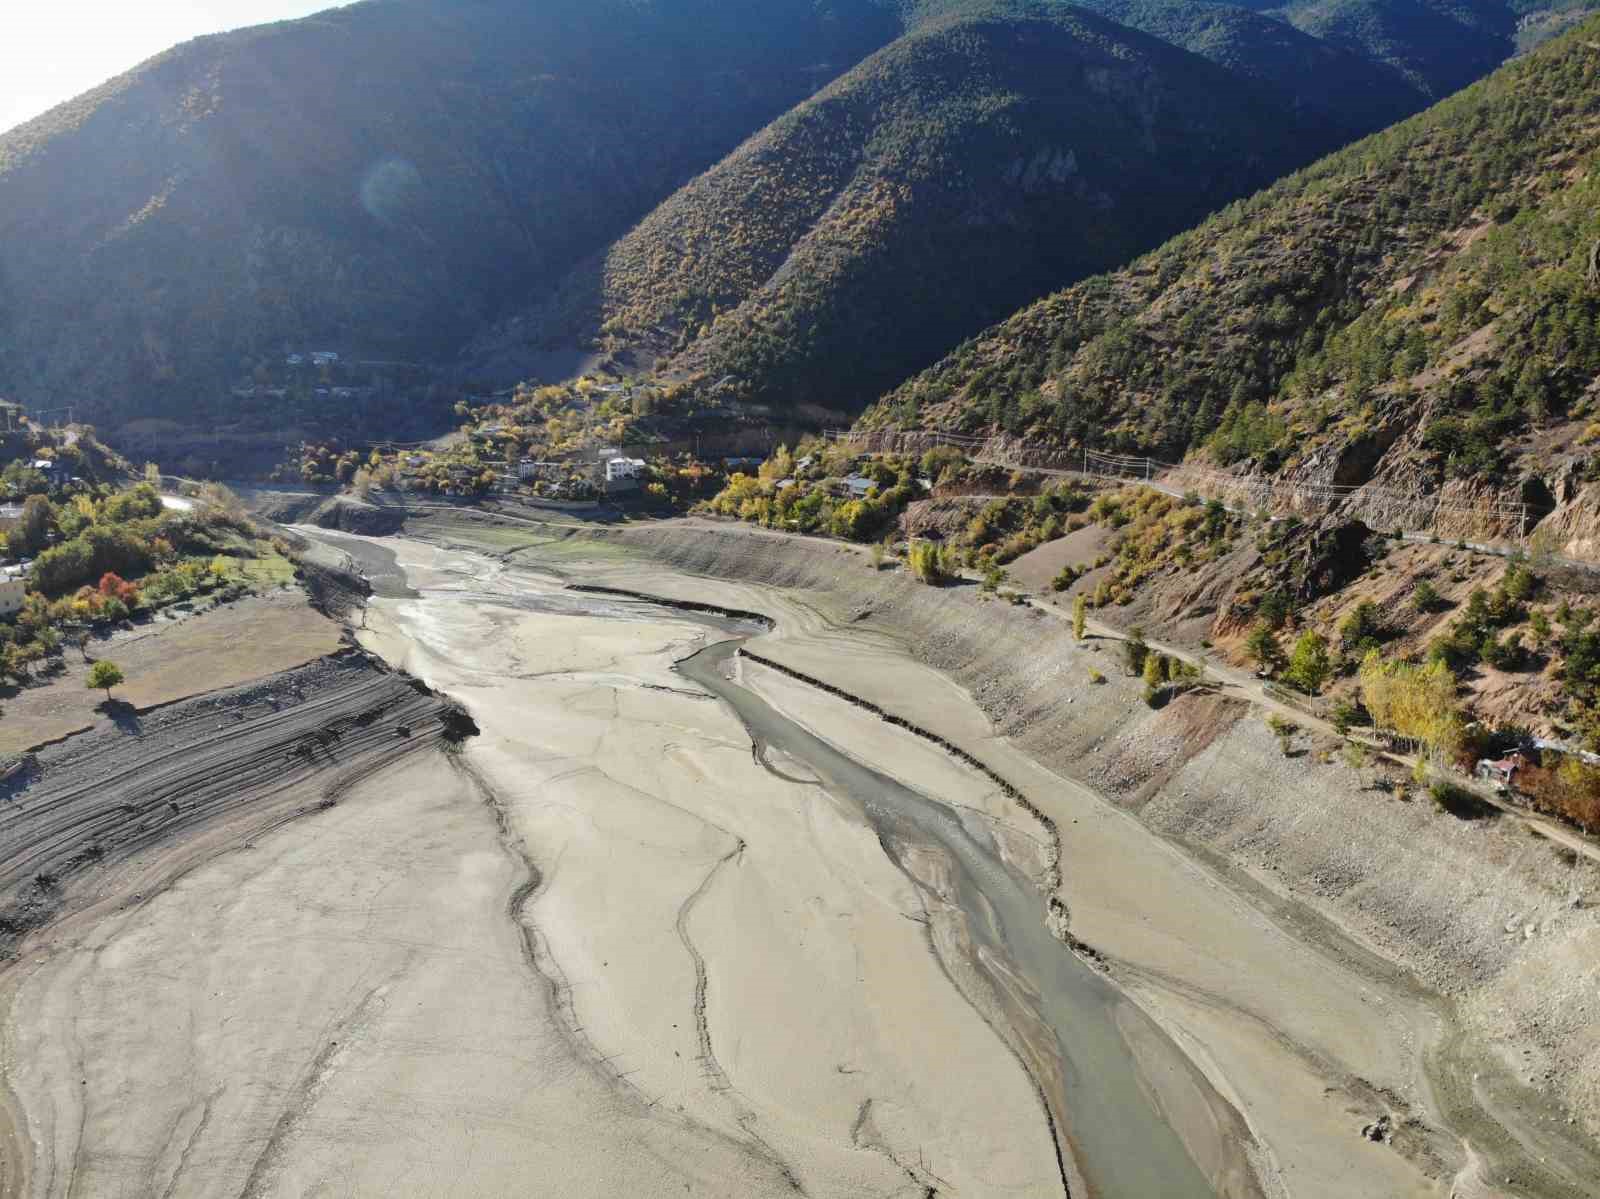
pixel 623 468
pixel 13 589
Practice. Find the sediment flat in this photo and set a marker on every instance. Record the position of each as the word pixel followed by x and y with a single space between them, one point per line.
pixel 611 945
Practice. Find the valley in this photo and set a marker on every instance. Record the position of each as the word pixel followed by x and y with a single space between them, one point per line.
pixel 722 928
pixel 879 599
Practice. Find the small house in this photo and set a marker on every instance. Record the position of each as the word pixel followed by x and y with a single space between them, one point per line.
pixel 13 589
pixel 1501 771
pixel 618 469
pixel 324 358
pixel 528 468
pixel 859 486
pixel 295 360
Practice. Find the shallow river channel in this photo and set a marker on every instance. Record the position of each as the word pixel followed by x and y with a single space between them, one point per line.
pixel 1122 1146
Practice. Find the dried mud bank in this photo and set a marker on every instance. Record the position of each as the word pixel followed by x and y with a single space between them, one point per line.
pixel 1461 1017
pixel 81 812
pixel 730 949
pixel 1050 877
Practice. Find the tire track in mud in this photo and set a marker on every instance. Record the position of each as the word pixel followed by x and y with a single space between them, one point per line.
pixel 190 1142
pixel 708 1054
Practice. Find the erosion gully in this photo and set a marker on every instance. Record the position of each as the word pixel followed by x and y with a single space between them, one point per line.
pixel 1119 1144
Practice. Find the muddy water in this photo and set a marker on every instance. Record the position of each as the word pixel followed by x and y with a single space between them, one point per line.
pixel 1121 1144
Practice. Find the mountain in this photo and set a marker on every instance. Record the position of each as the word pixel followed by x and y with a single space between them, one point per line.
pixel 382 179
pixel 1356 91
pixel 988 155
pixel 1439 47
pixel 1421 310
pixel 851 186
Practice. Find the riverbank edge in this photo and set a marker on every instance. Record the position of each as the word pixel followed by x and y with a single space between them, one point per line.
pixel 1011 665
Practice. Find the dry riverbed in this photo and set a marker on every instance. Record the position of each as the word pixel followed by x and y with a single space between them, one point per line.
pixel 611 946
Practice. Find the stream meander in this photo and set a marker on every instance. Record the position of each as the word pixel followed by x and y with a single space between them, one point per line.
pixel 1121 1144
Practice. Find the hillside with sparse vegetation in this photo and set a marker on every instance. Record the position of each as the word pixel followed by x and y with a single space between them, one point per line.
pixel 1421 310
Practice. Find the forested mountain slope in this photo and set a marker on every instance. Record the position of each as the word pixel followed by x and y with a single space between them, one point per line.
pixel 381 179
pixel 992 153
pixel 1439 47
pixel 399 178
pixel 1357 92
pixel 1422 308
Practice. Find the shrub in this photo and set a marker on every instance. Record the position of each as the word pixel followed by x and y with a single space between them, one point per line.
pixel 1135 651
pixel 930 562
pixel 1519 583
pixel 1363 629
pixel 1155 676
pixel 1425 597
pixel 1274 609
pixel 1503 655
pixel 103 676
pixel 1309 666
pixel 1539 623
pixel 1263 648
pixel 1345 715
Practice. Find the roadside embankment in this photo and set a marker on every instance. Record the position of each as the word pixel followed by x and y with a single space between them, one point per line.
pixel 1464 1003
